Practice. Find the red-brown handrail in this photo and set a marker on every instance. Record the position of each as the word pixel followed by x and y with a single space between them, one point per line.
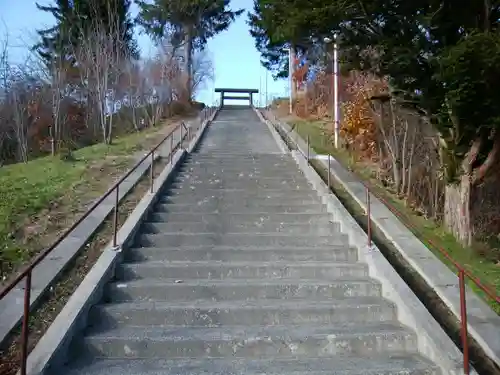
pixel 463 273
pixel 26 272
pixel 461 270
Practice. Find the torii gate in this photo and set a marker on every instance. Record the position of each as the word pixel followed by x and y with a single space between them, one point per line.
pixel 248 97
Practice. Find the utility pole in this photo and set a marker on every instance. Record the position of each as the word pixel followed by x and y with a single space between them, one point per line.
pixel 260 86
pixel 267 103
pixel 335 85
pixel 290 79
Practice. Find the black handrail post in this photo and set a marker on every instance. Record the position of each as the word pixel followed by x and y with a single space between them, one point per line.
pixel 25 324
pixel 115 217
pixel 171 147
pixel 151 172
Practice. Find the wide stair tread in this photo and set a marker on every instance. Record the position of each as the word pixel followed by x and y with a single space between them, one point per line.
pixel 264 216
pixel 239 270
pixel 236 253
pixel 240 193
pixel 221 208
pixel 234 289
pixel 240 227
pixel 248 341
pixel 228 199
pixel 376 364
pixel 247 240
pixel 264 312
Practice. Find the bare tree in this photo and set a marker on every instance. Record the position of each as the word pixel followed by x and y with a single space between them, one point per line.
pixel 59 71
pixel 75 96
pixel 154 80
pixel 203 70
pixel 170 56
pixel 101 54
pixel 4 77
pixel 23 96
pixel 18 101
pixel 134 91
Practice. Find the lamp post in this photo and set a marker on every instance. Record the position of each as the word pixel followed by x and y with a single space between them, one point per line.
pixel 266 91
pixel 290 109
pixel 335 64
pixel 260 86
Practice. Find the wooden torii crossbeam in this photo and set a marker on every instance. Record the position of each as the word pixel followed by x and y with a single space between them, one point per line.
pixel 248 97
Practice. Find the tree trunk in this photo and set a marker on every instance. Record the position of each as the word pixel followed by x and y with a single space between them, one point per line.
pixel 457 209
pixel 396 174
pixel 189 62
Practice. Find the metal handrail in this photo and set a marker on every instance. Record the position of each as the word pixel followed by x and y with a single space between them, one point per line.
pixel 26 272
pixel 461 270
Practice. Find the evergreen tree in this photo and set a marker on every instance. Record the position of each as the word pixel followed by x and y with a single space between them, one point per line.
pixel 77 18
pixel 441 60
pixel 277 25
pixel 192 22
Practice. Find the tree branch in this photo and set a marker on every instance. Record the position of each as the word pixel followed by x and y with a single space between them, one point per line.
pixel 491 161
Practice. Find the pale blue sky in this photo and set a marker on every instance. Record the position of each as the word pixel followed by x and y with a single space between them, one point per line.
pixel 235 57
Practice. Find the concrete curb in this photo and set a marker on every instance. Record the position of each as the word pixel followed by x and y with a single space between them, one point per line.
pixel 275 134
pixel 432 340
pixel 51 351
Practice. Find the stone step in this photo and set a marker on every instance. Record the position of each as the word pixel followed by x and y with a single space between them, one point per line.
pixel 234 199
pixel 241 217
pixel 277 184
pixel 214 170
pixel 232 161
pixel 236 167
pixel 245 156
pixel 239 289
pixel 240 149
pixel 239 175
pixel 243 122
pixel 208 207
pixel 256 190
pixel 242 240
pixel 243 176
pixel 240 227
pixel 237 254
pixel 253 144
pixel 250 158
pixel 266 182
pixel 235 194
pixel 213 270
pixel 381 364
pixel 250 341
pixel 207 313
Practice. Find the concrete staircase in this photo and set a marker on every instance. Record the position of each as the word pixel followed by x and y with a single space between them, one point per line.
pixel 239 270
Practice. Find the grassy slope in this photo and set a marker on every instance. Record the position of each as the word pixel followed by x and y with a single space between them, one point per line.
pixel 426 230
pixel 41 197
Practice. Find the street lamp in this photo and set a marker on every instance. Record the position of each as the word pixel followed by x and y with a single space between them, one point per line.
pixel 290 109
pixel 335 63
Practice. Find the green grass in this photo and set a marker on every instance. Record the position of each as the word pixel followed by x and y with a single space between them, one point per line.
pixel 432 234
pixel 27 189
